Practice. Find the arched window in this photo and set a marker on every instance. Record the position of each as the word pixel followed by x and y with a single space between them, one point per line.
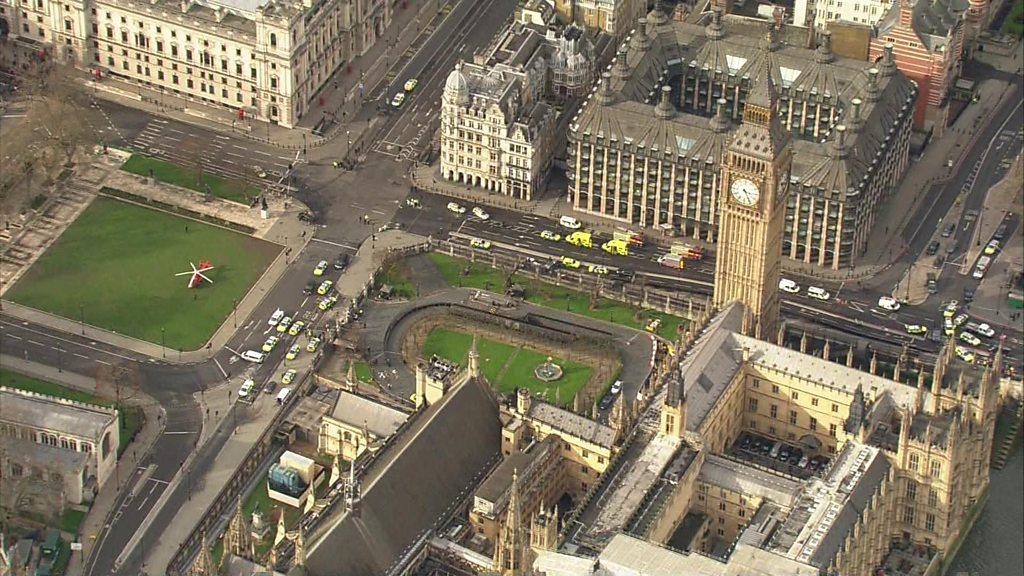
pixel 273 40
pixel 105 447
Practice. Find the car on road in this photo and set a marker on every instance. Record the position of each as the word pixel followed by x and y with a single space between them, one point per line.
pixel 481 213
pixel 283 325
pixel 570 223
pixel 411 84
pixel 950 308
pixel 271 343
pixel 293 352
pixel 947 327
pixel 1000 232
pixel 341 262
pixel 313 344
pixel 968 338
pixel 653 325
pixel 288 376
pixel 616 387
pixel 276 317
pixel 270 386
pixel 412 202
pixel 985 330
pixel 456 208
pixel 253 356
pixel 888 303
pixel 948 230
pixel 247 389
pixel 960 319
pixel 964 354
pixel 321 267
pixel 992 247
pixel 549 235
pixel 328 302
pixel 787 285
pixel 606 402
pixel 597 269
pixel 818 293
pixel 570 262
pixel 309 288
pixel 296 328
pixel 398 100
pixel 480 243
pixel 968 294
pixel 324 287
pixel 915 329
pixel 933 248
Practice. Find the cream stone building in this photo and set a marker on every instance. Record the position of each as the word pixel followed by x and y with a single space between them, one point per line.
pixel 647 147
pixel 47 439
pixel 264 58
pixel 497 129
pixel 357 424
pixel 615 17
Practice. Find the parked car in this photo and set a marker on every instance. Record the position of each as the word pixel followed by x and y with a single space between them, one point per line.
pixel 948 230
pixel 276 317
pixel 1000 232
pixel 933 248
pixel 570 222
pixel 888 303
pixel 247 389
pixel 818 293
pixel 481 213
pixel 341 262
pixel 321 266
pixel 549 235
pixel 456 208
pixel 968 338
pixel 253 356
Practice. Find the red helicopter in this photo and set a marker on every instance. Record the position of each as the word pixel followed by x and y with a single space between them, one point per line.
pixel 196 275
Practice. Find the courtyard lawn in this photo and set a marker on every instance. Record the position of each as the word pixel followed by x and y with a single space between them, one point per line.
pixel 397 276
pixel 548 295
pixel 187 177
pixel 114 268
pixel 131 417
pixel 363 372
pixel 1014 23
pixel 507 367
pixel 71 520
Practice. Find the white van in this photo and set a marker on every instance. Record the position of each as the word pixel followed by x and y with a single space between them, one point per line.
pixel 570 222
pixel 787 285
pixel 818 293
pixel 982 267
pixel 283 394
pixel 253 356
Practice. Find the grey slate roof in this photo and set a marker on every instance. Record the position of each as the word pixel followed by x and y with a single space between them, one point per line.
pixel 622 106
pixel 573 424
pixel 40 411
pixel 439 457
pixel 356 411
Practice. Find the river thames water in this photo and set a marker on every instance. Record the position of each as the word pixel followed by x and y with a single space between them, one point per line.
pixel 995 547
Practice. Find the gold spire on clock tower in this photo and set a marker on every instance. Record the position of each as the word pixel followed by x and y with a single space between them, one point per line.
pixel 755 176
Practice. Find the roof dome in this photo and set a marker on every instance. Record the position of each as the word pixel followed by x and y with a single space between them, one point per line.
pixel 456 87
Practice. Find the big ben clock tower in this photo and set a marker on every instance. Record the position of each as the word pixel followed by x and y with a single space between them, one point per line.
pixel 754 181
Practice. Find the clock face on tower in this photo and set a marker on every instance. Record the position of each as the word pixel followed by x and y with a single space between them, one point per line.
pixel 744 191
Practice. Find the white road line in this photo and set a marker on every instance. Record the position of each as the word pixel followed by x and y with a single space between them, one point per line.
pixel 36 343
pixel 103 362
pixel 339 244
pixel 178 433
pixel 221 368
pixel 14 337
pixel 80 355
pixel 264 153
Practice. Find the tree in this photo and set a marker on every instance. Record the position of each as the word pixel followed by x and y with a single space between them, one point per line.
pixel 54 128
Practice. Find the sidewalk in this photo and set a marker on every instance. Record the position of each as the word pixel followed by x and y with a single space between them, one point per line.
pixel 340 95
pixel 103 506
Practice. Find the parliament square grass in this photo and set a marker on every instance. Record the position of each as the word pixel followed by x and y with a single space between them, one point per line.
pixel 508 367
pixel 114 268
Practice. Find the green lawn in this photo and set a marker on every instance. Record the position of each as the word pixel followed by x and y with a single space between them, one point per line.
pixel 115 266
pixel 131 417
pixel 508 367
pixel 363 372
pixel 1014 23
pixel 189 178
pixel 551 296
pixel 71 520
pixel 397 276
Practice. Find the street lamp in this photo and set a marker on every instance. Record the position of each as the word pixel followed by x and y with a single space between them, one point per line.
pixel 81 316
pixel 163 346
pixel 234 313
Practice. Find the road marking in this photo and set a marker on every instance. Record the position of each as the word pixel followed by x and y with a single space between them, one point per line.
pixel 339 244
pixel 80 355
pixel 36 343
pixel 221 368
pixel 14 337
pixel 263 153
pixel 104 362
pixel 178 433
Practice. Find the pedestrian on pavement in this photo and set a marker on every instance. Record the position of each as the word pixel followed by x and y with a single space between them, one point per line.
pixel 186 228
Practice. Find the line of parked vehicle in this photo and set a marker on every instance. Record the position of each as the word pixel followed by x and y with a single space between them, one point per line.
pixel 779 455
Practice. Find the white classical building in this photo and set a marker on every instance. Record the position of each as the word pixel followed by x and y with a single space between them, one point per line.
pixel 43 438
pixel 497 130
pixel 265 58
pixel 867 12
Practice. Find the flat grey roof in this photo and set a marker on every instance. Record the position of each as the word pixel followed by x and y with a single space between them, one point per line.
pixel 745 479
pixel 572 423
pixel 629 556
